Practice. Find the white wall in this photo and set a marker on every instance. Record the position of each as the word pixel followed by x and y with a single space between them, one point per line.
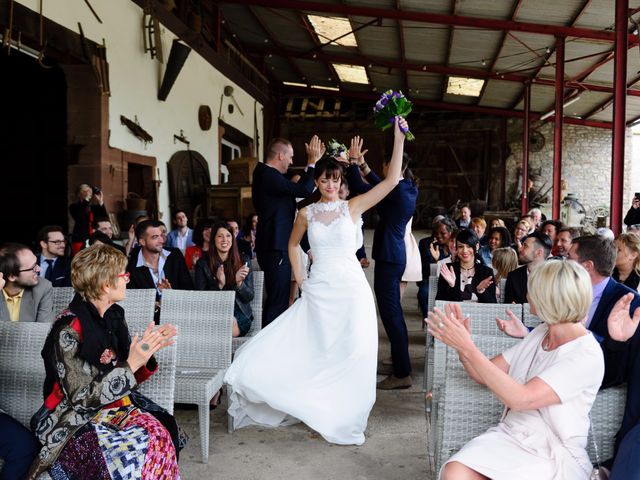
pixel 135 79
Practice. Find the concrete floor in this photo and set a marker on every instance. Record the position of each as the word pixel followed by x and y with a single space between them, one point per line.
pixel 395 445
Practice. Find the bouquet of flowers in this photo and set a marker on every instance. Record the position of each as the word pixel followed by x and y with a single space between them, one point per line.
pixel 390 105
pixel 337 150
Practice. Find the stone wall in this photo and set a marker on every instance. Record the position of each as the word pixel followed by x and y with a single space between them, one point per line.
pixel 586 163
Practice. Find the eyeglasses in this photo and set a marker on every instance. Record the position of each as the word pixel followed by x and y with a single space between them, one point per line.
pixel 35 268
pixel 126 276
pixel 57 242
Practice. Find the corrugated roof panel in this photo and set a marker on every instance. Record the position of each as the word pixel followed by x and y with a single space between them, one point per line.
pixel 500 9
pixel 606 115
pixel 605 73
pixel 549 12
pixel 425 42
pixel 459 99
pixel 500 94
pixel 286 27
pixel 378 41
pixel 516 57
pixel 426 85
pixel 281 69
pixel 385 81
pixel 470 47
pixel 316 72
pixel 600 14
pixel 432 6
pixel 240 21
pixel 587 103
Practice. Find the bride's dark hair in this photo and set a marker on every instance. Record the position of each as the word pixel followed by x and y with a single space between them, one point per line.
pixel 330 168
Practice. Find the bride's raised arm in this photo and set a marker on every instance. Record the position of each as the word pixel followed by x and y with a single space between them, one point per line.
pixel 361 203
pixel 299 227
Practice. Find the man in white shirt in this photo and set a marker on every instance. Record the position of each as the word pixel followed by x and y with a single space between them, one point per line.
pixel 182 236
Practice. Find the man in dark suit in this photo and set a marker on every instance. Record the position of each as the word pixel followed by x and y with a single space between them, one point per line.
pixel 153 266
pixel 55 266
pixel 274 199
pixel 389 253
pixel 535 250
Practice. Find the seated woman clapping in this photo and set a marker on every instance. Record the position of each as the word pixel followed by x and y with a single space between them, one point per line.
pixel 466 279
pixel 91 408
pixel 548 383
pixel 222 268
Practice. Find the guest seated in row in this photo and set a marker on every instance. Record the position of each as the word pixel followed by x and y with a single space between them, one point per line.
pixel 505 261
pixel 551 228
pixel 26 297
pixel 548 383
pixel 464 219
pixel 433 249
pixel 180 237
pixel 54 264
pixel 535 250
pixel 479 226
pixel 18 446
pixel 520 232
pixel 535 218
pixel 201 240
pixel 222 268
pixel 498 238
pixel 627 269
pixel 497 222
pixel 563 241
pixel 467 278
pixel 104 225
pixel 92 366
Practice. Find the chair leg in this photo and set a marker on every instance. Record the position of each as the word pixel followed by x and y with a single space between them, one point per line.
pixel 229 417
pixel 203 413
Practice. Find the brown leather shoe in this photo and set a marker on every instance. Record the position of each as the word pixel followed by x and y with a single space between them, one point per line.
pixel 385 369
pixel 395 383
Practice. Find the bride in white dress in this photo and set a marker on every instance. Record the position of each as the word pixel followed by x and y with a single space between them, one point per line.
pixel 316 363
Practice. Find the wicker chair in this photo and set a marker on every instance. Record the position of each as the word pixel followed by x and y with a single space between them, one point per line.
pixel 528 318
pixel 465 409
pixel 62 297
pixel 139 305
pixel 503 286
pixel 203 319
pixel 606 418
pixel 22 368
pixel 256 308
pixel 161 386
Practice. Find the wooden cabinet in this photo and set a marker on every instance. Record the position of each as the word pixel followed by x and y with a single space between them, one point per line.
pixel 229 202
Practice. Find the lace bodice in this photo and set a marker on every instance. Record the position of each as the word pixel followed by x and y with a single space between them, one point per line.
pixel 331 229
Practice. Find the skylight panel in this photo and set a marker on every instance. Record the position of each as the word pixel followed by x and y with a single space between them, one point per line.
pixel 469 87
pixel 330 28
pixel 351 73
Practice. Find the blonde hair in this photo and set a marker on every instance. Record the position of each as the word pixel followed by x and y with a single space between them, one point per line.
pixel 499 221
pixel 479 221
pixel 561 291
pixel 505 260
pixel 632 242
pixel 93 268
pixel 525 223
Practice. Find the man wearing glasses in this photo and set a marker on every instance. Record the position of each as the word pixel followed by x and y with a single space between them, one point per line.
pixel 54 265
pixel 25 297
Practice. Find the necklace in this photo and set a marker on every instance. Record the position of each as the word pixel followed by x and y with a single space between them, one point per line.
pixel 467 269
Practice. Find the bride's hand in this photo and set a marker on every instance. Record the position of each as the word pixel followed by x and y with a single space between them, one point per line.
pixel 399 125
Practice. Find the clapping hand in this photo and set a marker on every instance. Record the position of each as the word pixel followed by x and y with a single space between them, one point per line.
pixel 222 279
pixel 153 339
pixel 484 284
pixel 448 274
pixel 241 274
pixel 164 284
pixel 315 149
pixel 620 324
pixel 450 327
pixel 434 250
pixel 356 154
pixel 513 326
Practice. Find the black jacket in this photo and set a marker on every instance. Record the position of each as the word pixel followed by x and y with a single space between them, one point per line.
pixel 205 280
pixel 83 213
pixel 453 294
pixel 61 271
pixel 632 217
pixel 175 270
pixel 515 290
pixel 274 200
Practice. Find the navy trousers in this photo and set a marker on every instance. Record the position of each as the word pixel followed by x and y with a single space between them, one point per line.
pixel 386 285
pixel 18 448
pixel 277 282
pixel 627 462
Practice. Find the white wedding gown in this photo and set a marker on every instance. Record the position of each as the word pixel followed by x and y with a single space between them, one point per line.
pixel 315 363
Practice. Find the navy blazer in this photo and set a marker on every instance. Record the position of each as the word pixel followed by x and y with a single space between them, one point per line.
pixel 274 200
pixel 175 270
pixel 61 271
pixel 515 290
pixel 395 210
